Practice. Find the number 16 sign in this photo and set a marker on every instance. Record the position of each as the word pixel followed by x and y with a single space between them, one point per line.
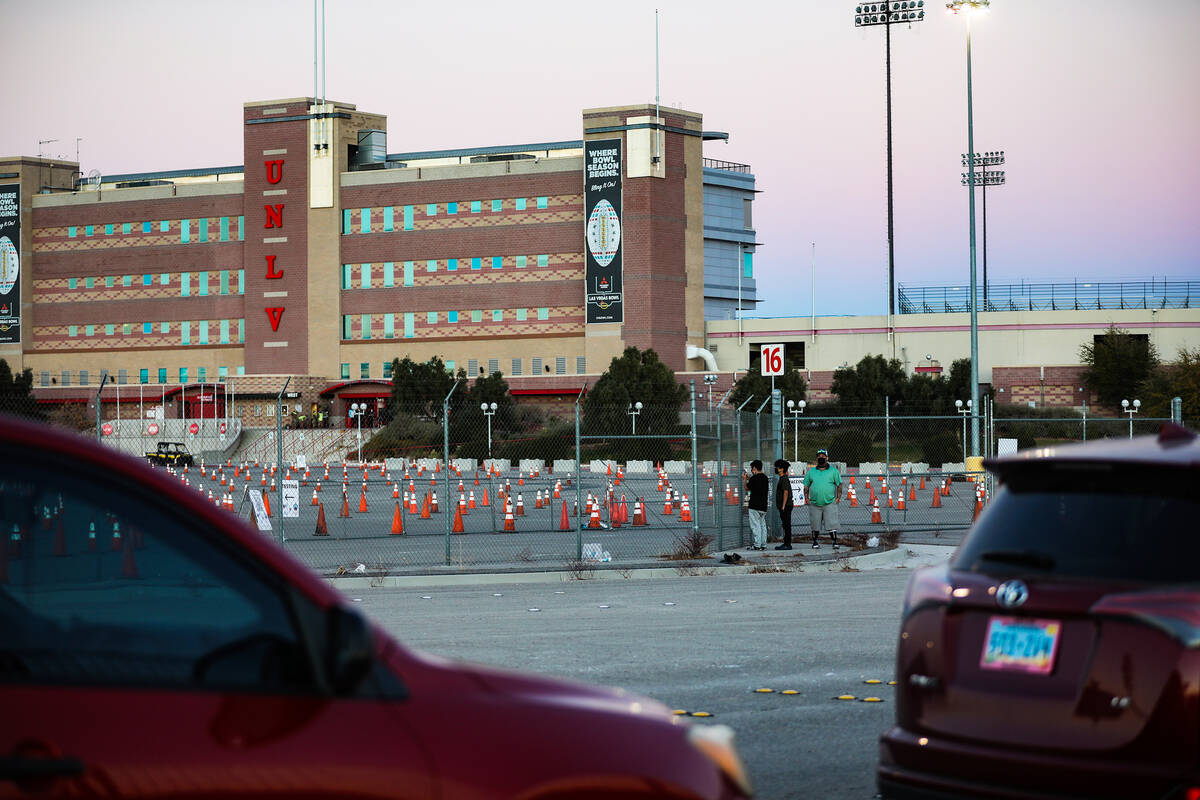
pixel 772 359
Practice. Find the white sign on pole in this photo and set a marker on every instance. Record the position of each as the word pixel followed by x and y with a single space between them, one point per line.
pixel 302 461
pixel 797 485
pixel 1006 447
pixel 260 511
pixel 772 360
pixel 291 498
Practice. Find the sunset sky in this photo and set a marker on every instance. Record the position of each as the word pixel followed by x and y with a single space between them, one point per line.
pixel 1096 104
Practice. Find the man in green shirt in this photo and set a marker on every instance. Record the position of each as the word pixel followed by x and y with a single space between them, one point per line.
pixel 823 492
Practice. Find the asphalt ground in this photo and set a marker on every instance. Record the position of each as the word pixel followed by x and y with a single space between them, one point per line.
pixel 699 644
pixel 365 537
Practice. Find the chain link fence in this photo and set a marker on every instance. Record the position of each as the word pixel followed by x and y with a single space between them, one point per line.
pixel 466 485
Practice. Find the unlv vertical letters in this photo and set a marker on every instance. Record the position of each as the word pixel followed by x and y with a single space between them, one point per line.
pixel 274 219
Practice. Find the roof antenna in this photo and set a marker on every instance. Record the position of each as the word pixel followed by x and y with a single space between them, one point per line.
pixel 657 132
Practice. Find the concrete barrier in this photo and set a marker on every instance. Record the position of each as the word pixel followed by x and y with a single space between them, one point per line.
pixel 638 467
pixel 502 464
pixel 465 464
pixel 562 466
pixel 599 466
pixel 677 467
pixel 529 464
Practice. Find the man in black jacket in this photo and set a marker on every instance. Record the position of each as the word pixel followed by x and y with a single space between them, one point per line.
pixel 784 502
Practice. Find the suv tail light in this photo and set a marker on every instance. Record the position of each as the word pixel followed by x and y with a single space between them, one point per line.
pixel 929 585
pixel 1176 613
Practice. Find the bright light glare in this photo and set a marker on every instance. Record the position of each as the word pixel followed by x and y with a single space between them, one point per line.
pixel 968 6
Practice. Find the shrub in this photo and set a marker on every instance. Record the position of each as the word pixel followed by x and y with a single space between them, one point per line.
pixel 853 446
pixel 942 448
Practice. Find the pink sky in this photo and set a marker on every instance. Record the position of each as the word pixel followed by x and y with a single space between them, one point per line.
pixel 1095 103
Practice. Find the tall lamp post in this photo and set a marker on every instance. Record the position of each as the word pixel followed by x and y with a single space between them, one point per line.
pixel 356 412
pixel 1127 409
pixel 969 8
pixel 795 410
pixel 489 411
pixel 994 158
pixel 888 14
pixel 634 410
pixel 709 381
pixel 958 404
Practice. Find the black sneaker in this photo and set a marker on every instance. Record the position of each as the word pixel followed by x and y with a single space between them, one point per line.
pixel 816 546
pixel 783 547
pixel 835 546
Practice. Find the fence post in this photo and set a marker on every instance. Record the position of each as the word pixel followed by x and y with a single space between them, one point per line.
pixel 1085 419
pixel 738 422
pixel 99 404
pixel 279 452
pixel 695 455
pixel 579 480
pixel 446 459
pixel 721 514
pixel 887 453
pixel 1177 410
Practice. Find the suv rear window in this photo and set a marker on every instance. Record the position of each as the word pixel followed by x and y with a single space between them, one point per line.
pixel 1090 521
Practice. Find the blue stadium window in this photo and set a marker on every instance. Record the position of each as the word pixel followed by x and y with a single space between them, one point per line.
pixel 520 203
pixel 476 263
pixel 544 260
pixel 497 261
pixel 347 331
pixel 450 367
pixel 451 316
pixel 224 281
pixel 522 314
pixel 364 278
pixel 203 290
pixel 241 281
pixel 522 261
pixel 204 229
pixel 72 231
pixel 451 208
pixel 185 332
pixel 452 264
pixel 108 229
pixel 346 228
pixel 127 281
pixel 147 280
pixel 224 331
pixel 241 340
pixel 389 274
pixel 389 219
pixel 203 374
pixel 408 273
pixel 347 275
pixel 364 370
pixel 431 317
pixel 89 283
pixel 543 313
pixel 90 330
pixel 408 218
pixel 476 206
pixel 365 225
pixel 747 265
pixel 147 327
pixel 162 374
pixel 202 329
pixel 476 315
pixel 164 279
pixel 143 376
pixel 185 231
pixel 72 283
pixel 497 205
pixel 72 330
pixel 389 329
pixel 431 265
pixel 345 371
pixel 241 228
pixel 387 370
pixel 241 370
pixel 164 226
pixel 224 229
pixel 431 210
pixel 164 327
pixel 185 284
pixel 183 375
pixel 146 229
pixel 222 372
pixel 497 315
pixel 365 326
pixel 126 228
pixel 89 230
pixel 409 325
pixel 543 202
pixel 110 281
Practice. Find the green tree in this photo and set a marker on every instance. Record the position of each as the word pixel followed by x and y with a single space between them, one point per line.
pixel 1117 363
pixel 1180 378
pixel 469 425
pixel 16 393
pixel 419 388
pixel 635 377
pixel 864 386
pixel 791 385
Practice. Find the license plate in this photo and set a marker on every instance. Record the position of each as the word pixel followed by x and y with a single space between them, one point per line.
pixel 1021 645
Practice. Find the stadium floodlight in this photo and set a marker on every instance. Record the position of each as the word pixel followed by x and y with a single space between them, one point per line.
pixel 887 14
pixel 982 161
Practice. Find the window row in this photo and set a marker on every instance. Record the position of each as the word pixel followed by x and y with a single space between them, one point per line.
pixel 225 281
pixel 390 273
pixel 383 326
pixel 221 229
pixel 85 377
pixel 190 331
pixel 476 367
pixel 385 218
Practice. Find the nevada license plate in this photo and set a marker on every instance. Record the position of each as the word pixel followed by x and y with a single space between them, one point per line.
pixel 1021 645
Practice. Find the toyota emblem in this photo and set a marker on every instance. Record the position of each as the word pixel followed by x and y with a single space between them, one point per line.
pixel 1011 594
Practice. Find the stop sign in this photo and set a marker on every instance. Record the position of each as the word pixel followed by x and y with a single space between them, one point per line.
pixel 193 428
pixel 106 429
pixel 222 427
pixel 152 429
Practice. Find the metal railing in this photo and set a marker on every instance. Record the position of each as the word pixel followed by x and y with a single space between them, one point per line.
pixel 727 166
pixel 1155 293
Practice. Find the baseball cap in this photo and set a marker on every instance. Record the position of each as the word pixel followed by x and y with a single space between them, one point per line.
pixel 822 452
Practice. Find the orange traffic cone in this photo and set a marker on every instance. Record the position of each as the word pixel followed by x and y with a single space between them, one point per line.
pixel 875 515
pixel 471 501
pixel 557 490
pixel 937 498
pixel 321 529
pixel 462 504
pixel 900 506
pixel 685 513
pixel 564 523
pixel 412 503
pixel 510 524
pixel 362 502
pixel 116 538
pixel 486 501
pixel 710 496
pixel 397 521
pixel 614 514
pixel 594 521
pixel 267 503
pixel 922 484
pixel 624 510
pixel 433 506
pixel 91 537
pixel 912 493
pixel 424 507
pixel 537 500
pixel 60 538
pixel 458 520
pixel 345 506
pixel 853 497
pixel 520 505
pixel 395 491
pixel 315 501
pixel 129 564
pixel 946 487
pixel 639 513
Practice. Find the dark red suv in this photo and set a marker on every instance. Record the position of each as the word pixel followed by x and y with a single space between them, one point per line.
pixel 1058 653
pixel 152 645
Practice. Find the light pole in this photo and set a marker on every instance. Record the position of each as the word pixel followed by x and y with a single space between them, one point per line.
pixel 709 381
pixel 633 411
pixel 887 14
pixel 356 412
pixel 994 158
pixel 1125 407
pixel 969 8
pixel 958 404
pixel 796 409
pixel 489 411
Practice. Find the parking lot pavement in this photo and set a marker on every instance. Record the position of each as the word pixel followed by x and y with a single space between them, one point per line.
pixel 699 644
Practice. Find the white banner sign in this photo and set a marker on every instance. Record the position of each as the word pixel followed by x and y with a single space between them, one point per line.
pixel 260 511
pixel 291 498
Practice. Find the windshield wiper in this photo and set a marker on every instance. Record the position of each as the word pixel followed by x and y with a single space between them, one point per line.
pixel 1030 558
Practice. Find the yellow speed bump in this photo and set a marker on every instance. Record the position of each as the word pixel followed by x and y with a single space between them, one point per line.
pixel 789 691
pixel 872 681
pixel 872 700
pixel 764 690
pixel 845 697
pixel 701 714
pixel 679 712
pixel 891 683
